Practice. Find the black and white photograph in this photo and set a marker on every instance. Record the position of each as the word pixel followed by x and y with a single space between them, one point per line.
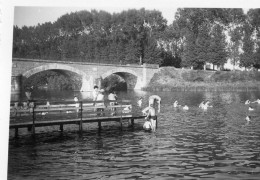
pixel 159 89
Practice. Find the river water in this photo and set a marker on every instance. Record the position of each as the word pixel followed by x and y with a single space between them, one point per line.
pixel 194 144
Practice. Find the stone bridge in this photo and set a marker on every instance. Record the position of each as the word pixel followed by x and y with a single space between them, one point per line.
pixel 135 76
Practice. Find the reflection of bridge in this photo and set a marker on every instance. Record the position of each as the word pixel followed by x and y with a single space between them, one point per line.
pixel 136 76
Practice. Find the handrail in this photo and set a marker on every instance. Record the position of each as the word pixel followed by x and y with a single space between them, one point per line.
pixel 71 107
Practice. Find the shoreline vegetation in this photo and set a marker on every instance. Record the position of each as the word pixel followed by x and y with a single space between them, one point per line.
pixel 175 79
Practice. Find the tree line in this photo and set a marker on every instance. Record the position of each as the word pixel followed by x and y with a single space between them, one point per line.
pixel 196 36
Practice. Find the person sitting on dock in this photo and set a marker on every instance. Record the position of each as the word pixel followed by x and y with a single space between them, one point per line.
pixel 153 99
pixel 25 105
pixel 151 115
pixel 15 108
pixel 140 101
pixel 127 109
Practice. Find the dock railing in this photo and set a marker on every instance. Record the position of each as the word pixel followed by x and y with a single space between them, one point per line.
pixel 69 112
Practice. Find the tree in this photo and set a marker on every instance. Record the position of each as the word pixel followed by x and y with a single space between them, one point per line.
pixel 189 52
pixel 234 45
pixel 202 47
pixel 217 50
pixel 246 58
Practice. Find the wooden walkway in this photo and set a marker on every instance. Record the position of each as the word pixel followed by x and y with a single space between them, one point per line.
pixel 63 113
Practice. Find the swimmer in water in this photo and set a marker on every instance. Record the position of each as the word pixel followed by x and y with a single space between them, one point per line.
pixel 248 118
pixel 185 107
pixel 201 104
pixel 153 99
pixel 247 102
pixel 256 101
pixel 251 109
pixel 147 125
pixel 175 104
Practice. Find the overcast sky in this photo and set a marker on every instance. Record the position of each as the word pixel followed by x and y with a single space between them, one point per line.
pixel 30 14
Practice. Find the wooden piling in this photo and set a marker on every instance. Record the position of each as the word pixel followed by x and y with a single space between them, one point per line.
pixel 16 132
pixel 80 123
pixel 61 127
pixel 99 125
pixel 131 122
pixel 33 126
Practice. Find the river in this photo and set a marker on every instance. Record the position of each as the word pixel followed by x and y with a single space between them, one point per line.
pixel 194 144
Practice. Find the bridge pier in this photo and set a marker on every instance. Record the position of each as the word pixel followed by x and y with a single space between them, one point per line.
pixel 16 84
pixel 89 83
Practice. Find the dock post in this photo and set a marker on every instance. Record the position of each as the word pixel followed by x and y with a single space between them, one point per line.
pixel 61 127
pixel 80 123
pixel 99 125
pixel 16 132
pixel 131 122
pixel 33 125
pixel 121 124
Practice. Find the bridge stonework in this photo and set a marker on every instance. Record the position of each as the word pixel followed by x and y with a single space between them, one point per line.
pixel 136 76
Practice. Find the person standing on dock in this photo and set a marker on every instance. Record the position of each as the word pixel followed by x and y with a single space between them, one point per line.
pixel 76 100
pixel 151 116
pixel 95 93
pixel 112 97
pixel 157 99
pixel 100 97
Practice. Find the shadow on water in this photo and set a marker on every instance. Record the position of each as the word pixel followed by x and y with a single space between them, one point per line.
pixel 194 144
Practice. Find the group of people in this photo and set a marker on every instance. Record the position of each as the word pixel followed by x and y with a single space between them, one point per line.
pixel 203 105
pixel 150 112
pixel 99 95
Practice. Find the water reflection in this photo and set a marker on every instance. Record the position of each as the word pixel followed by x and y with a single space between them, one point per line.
pixel 216 143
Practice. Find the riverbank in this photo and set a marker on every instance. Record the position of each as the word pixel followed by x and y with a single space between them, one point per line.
pixel 174 79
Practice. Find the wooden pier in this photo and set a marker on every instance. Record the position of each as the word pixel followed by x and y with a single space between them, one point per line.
pixel 68 112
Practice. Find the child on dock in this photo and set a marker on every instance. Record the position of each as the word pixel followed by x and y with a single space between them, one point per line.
pixel 139 102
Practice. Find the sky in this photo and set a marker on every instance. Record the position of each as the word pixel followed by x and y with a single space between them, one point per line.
pixel 32 12
pixel 31 16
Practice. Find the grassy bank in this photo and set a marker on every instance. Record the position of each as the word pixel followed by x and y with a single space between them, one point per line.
pixel 173 79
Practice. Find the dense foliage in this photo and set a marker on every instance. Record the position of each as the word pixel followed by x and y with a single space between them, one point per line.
pixel 195 37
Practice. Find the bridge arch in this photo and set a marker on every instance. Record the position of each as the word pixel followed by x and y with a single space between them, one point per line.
pixel 132 78
pixel 85 79
pixel 51 67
